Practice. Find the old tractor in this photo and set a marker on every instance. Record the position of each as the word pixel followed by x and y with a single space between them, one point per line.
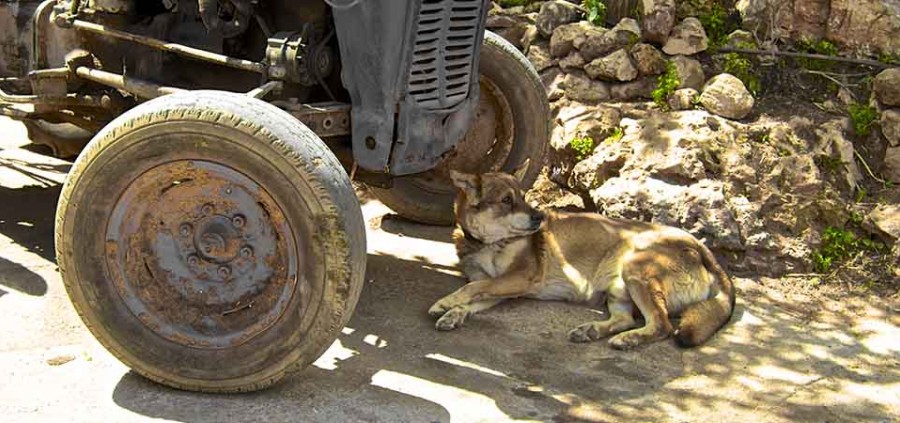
pixel 208 233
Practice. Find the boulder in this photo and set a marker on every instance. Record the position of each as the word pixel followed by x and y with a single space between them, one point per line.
pixel 886 218
pixel 579 87
pixel 657 20
pixel 554 81
pixel 872 25
pixel 890 126
pixel 725 95
pixel 605 162
pixel 572 62
pixel 891 166
pixel 614 67
pixel 566 37
pixel 647 59
pixel 887 87
pixel 741 39
pixel 687 38
pixel 539 56
pixel 556 13
pixel 683 99
pixel 627 32
pixel 548 195
pixel 690 72
pixel 637 89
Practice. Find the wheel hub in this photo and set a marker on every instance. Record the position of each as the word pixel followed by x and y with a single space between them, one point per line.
pixel 201 254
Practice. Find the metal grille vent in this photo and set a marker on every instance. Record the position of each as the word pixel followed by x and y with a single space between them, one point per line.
pixel 445 39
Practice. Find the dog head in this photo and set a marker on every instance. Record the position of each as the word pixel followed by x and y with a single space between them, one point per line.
pixel 491 206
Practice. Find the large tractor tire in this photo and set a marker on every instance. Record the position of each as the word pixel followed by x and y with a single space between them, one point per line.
pixel 512 125
pixel 211 242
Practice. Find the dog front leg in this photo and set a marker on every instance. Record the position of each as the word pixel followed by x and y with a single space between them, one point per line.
pixel 477 296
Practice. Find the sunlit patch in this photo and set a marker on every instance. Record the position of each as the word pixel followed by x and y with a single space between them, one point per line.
pixel 25 224
pixel 466 364
pixel 880 337
pixel 335 354
pixel 348 331
pixel 750 384
pixel 375 341
pixel 780 373
pixel 749 319
pixel 461 404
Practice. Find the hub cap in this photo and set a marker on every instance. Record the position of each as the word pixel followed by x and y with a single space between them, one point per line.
pixel 201 254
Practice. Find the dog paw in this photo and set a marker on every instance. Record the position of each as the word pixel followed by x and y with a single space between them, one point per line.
pixel 452 319
pixel 586 332
pixel 625 341
pixel 441 307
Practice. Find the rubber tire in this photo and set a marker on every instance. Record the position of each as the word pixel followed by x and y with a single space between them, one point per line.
pixel 64 139
pixel 509 69
pixel 302 165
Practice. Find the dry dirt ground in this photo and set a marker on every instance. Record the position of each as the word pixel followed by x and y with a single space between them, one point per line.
pixel 788 355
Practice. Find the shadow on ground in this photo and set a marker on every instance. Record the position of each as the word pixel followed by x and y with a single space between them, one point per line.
pixel 781 359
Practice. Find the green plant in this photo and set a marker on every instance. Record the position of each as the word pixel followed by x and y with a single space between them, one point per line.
pixel 616 135
pixel 596 11
pixel 666 84
pixel 841 244
pixel 828 163
pixel 889 58
pixel 742 68
pixel 715 22
pixel 583 147
pixel 863 117
pixel 823 47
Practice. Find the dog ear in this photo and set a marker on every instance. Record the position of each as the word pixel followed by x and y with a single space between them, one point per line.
pixel 465 182
pixel 520 171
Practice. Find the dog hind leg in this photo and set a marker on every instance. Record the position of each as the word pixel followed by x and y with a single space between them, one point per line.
pixel 455 317
pixel 644 273
pixel 620 317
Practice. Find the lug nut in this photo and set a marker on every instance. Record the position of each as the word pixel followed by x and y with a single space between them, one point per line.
pixel 228 191
pixel 193 260
pixel 185 229
pixel 207 209
pixel 246 252
pixel 224 272
pixel 238 221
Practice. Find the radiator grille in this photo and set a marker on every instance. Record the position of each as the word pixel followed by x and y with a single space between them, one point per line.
pixel 441 69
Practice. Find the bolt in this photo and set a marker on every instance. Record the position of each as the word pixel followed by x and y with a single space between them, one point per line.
pixel 224 272
pixel 238 221
pixel 246 252
pixel 207 248
pixel 370 143
pixel 228 191
pixel 207 209
pixel 193 260
pixel 185 229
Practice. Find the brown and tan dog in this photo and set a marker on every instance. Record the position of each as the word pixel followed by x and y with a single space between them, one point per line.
pixel 507 249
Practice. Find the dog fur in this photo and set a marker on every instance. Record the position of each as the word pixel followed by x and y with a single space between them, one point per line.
pixel 508 249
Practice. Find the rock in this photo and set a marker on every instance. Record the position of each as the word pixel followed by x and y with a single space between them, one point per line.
pixel 683 99
pixel 573 61
pixel 726 96
pixel 605 162
pixel 627 32
pixel 546 194
pixel 687 38
pixel 614 67
pixel 569 36
pixel 556 13
pixel 553 79
pixel 767 18
pixel 657 20
pixel 833 142
pixel 690 72
pixel 891 166
pixel 887 87
pixel 641 88
pixel 872 25
pixel 741 39
pixel 890 126
pixel 886 217
pixel 60 360
pixel 647 59
pixel 581 88
pixel 530 37
pixel 810 18
pixel 539 56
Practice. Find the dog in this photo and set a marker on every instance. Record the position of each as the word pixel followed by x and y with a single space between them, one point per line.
pixel 508 249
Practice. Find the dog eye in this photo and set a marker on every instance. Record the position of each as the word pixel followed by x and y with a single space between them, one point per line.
pixel 507 200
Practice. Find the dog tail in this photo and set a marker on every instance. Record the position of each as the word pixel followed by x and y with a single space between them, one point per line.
pixel 701 320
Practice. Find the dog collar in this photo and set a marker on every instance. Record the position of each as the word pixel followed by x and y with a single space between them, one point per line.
pixel 469 236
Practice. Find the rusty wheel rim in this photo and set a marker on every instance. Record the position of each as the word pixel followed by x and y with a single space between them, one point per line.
pixel 486 146
pixel 201 254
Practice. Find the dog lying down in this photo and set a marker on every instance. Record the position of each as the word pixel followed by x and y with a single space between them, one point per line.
pixel 507 249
